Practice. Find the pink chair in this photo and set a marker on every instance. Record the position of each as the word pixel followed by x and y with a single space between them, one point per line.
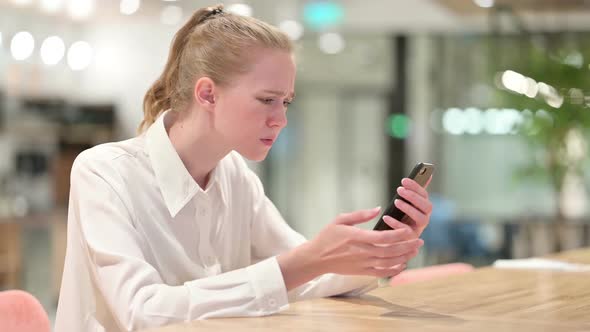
pixel 430 272
pixel 22 312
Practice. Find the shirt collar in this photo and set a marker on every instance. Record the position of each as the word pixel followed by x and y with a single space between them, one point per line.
pixel 176 184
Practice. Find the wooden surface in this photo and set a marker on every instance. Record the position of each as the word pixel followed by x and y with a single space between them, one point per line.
pixel 487 299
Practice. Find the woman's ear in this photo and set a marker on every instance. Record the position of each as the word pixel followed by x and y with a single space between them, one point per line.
pixel 204 93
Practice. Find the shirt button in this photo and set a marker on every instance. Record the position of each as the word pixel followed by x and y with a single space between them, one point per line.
pixel 272 303
pixel 202 212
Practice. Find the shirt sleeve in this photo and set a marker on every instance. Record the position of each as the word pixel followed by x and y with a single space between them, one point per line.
pixel 132 288
pixel 271 236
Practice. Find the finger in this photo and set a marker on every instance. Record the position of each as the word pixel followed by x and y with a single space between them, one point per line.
pixel 387 272
pixel 414 253
pixel 395 224
pixel 357 217
pixel 383 237
pixel 420 202
pixel 400 249
pixel 418 216
pixel 394 250
pixel 413 185
pixel 388 262
pixel 428 182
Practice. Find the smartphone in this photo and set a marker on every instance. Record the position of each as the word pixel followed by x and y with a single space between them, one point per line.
pixel 421 173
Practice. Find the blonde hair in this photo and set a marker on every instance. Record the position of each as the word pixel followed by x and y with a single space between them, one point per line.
pixel 215 44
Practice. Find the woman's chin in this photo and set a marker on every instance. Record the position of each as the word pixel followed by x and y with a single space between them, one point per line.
pixel 254 155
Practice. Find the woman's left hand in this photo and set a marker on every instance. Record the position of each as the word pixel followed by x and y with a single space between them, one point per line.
pixel 420 209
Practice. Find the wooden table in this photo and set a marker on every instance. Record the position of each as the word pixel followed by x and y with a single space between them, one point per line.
pixel 487 299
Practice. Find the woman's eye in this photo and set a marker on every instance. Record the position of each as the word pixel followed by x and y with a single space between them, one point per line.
pixel 269 101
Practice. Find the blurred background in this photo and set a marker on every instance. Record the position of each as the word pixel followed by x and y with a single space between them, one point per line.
pixel 495 93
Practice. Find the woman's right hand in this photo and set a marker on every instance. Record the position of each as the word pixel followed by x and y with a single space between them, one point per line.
pixel 345 249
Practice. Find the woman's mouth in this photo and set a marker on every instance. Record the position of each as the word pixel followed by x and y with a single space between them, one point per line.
pixel 267 141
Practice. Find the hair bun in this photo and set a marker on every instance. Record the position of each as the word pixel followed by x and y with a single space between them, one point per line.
pixel 213 11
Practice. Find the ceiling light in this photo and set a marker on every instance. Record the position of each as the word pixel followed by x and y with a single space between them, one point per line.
pixel 22 45
pixel 79 55
pixel 80 9
pixel 292 28
pixel 240 9
pixel 171 15
pixel 51 6
pixel 128 7
pixel 331 43
pixel 52 50
pixel 484 3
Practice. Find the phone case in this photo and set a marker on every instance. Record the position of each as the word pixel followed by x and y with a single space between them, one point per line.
pixel 421 173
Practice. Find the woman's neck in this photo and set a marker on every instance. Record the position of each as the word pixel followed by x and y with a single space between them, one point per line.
pixel 200 148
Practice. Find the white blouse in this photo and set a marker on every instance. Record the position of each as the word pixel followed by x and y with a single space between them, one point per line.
pixel 147 246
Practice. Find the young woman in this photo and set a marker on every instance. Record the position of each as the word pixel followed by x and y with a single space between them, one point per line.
pixel 172 226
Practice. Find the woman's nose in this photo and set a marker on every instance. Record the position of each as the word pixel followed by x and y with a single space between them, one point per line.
pixel 278 118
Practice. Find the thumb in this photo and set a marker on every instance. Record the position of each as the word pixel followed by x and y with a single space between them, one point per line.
pixel 357 217
pixel 395 224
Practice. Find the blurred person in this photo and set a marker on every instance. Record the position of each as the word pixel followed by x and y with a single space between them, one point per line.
pixel 172 225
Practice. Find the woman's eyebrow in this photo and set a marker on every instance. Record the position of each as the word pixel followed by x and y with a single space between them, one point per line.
pixel 279 93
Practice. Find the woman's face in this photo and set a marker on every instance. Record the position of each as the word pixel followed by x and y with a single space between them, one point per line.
pixel 251 112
